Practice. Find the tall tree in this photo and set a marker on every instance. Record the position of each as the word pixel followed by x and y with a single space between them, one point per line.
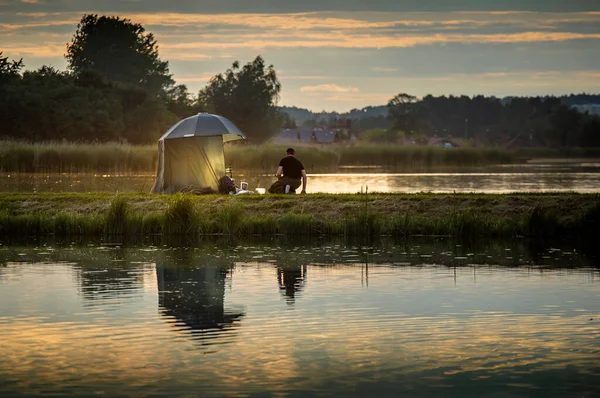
pixel 402 110
pixel 9 70
pixel 247 96
pixel 120 51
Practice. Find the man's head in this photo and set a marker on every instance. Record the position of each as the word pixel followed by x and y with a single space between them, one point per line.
pixel 290 152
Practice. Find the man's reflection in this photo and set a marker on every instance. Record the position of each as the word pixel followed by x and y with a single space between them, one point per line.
pixel 291 280
pixel 195 297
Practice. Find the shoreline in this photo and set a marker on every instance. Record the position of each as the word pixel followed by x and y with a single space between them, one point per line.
pixel 135 215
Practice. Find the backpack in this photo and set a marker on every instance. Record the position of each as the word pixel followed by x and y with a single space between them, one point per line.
pixel 226 185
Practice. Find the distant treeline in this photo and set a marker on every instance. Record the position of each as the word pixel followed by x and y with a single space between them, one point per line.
pixel 376 116
pixel 117 89
pixel 514 121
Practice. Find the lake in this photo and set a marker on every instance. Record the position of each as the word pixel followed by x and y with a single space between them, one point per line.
pixel 428 317
pixel 536 176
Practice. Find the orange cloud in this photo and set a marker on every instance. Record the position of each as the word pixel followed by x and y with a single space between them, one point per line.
pixel 340 40
pixel 47 50
pixel 201 32
pixel 193 78
pixel 375 98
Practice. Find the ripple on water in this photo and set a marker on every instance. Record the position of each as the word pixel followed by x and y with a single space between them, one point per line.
pixel 190 322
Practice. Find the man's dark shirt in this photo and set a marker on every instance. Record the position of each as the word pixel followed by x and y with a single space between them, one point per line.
pixel 292 167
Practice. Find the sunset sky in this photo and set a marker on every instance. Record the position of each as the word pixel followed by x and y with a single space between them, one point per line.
pixel 338 55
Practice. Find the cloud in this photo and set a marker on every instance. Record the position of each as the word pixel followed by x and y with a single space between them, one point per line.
pixel 340 40
pixel 328 88
pixel 47 50
pixel 170 53
pixel 189 36
pixel 364 98
pixel 184 78
pixel 420 49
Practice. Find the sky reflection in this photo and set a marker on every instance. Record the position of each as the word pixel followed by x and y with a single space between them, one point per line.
pixel 201 324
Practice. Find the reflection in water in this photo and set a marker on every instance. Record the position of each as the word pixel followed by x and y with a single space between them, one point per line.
pixel 437 319
pixel 291 281
pixel 100 283
pixel 194 297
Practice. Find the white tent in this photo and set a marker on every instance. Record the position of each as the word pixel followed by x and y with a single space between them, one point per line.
pixel 190 154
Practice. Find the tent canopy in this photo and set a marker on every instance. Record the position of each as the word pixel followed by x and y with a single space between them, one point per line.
pixel 190 154
pixel 204 125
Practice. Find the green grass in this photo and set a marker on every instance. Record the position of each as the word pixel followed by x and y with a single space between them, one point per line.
pixel 127 216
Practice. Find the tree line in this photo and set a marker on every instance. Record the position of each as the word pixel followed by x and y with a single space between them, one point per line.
pixel 529 121
pixel 116 88
pixel 532 121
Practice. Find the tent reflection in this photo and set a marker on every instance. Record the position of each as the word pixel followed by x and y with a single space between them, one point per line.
pixel 194 298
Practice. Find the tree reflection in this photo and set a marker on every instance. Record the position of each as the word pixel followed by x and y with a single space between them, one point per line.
pixel 195 298
pixel 291 281
pixel 109 276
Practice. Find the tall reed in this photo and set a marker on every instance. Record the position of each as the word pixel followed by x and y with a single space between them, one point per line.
pixel 267 157
pixel 63 157
pixel 117 216
pixel 229 218
pixel 180 216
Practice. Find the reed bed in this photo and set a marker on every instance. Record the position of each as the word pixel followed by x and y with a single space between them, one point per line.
pixel 561 153
pixel 64 157
pixel 422 156
pixel 266 157
pixel 131 216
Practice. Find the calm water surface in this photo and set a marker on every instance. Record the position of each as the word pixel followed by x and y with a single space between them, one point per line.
pixel 580 176
pixel 221 319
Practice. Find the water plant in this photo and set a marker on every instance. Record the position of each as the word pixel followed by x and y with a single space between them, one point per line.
pixel 179 216
pixel 116 217
pixel 229 218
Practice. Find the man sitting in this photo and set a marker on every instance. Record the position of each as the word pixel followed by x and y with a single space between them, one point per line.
pixel 290 174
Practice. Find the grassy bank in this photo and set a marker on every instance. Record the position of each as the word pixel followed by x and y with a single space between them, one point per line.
pixel 113 157
pixel 364 216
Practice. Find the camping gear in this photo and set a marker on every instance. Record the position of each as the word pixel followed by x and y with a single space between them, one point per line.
pixel 227 185
pixel 190 154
